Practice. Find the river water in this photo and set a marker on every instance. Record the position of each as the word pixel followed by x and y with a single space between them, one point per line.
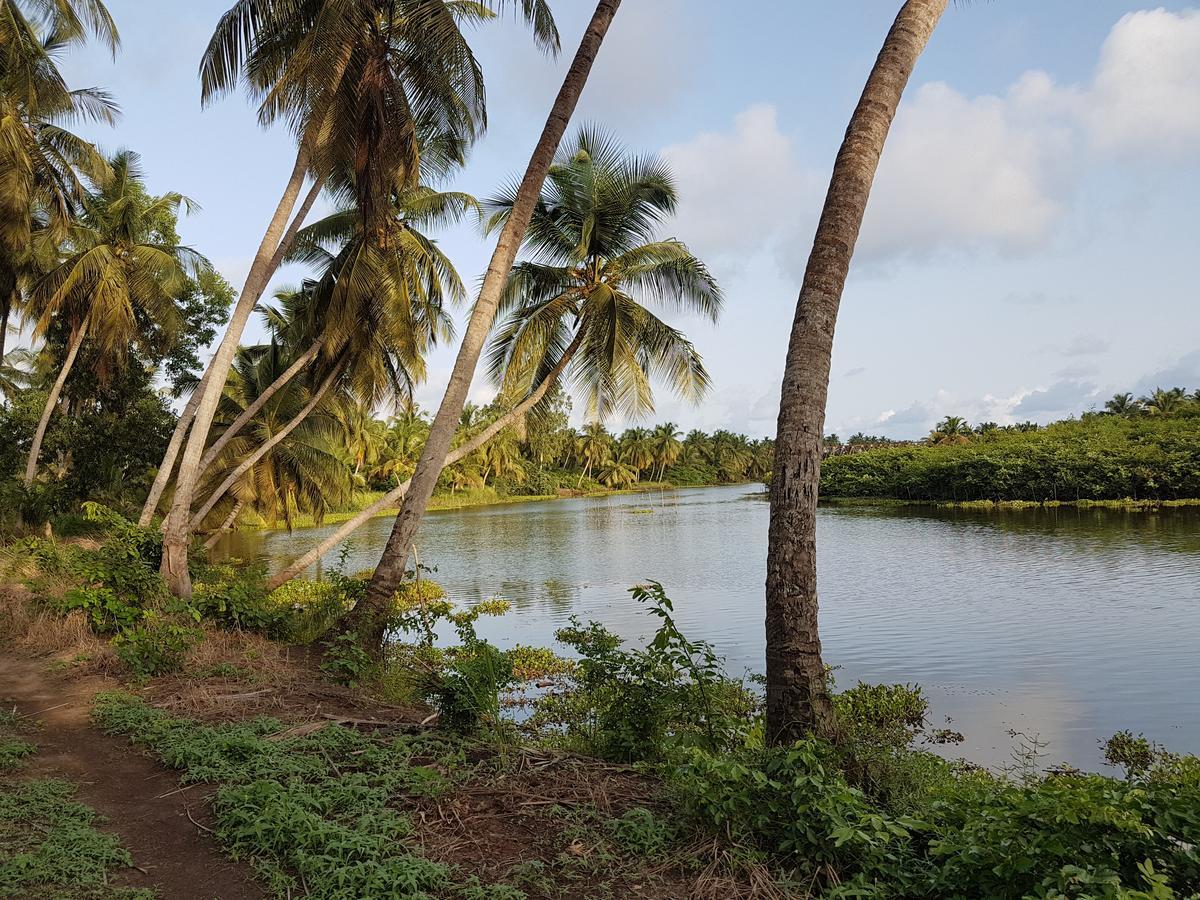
pixel 1063 624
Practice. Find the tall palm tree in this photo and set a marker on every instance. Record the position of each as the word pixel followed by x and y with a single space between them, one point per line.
pixel 388 574
pixel 666 446
pixel 40 160
pixel 122 272
pixel 796 691
pixel 594 446
pixel 618 474
pixel 636 449
pixel 360 83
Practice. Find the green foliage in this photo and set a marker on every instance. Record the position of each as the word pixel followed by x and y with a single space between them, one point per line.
pixel 237 598
pixel 156 647
pixel 12 751
pixel 106 611
pixel 638 831
pixel 346 662
pixel 1097 458
pixel 636 704
pixel 318 813
pixel 50 847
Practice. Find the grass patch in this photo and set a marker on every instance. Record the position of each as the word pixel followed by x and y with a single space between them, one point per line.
pixel 321 814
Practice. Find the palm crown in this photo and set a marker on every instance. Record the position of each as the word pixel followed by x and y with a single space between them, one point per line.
pixel 595 266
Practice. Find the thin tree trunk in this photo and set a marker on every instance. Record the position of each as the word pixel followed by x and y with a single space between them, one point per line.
pixel 260 401
pixel 398 492
pixel 264 448
pixel 797 693
pixel 167 466
pixel 35 448
pixel 225 526
pixel 175 530
pixel 368 616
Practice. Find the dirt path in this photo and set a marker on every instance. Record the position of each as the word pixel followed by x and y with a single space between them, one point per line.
pixel 172 853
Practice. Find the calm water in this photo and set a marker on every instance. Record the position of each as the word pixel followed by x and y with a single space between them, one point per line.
pixel 1067 624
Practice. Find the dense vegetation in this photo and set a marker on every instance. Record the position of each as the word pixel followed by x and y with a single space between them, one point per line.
pixel 1137 452
pixel 330 811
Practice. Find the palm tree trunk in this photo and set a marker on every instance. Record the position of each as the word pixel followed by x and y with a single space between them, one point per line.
pixel 398 492
pixel 35 448
pixel 225 526
pixel 368 616
pixel 167 466
pixel 265 448
pixel 797 694
pixel 259 402
pixel 176 528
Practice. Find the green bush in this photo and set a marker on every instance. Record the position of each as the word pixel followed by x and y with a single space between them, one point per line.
pixel 107 613
pixel 156 647
pixel 237 598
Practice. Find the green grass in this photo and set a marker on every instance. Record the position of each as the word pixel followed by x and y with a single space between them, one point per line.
pixel 49 845
pixel 319 815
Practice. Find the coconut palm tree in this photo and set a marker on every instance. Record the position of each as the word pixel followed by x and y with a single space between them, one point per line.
pixel 951 430
pixel 121 273
pixel 41 162
pixel 1123 405
pixel 730 454
pixel 797 696
pixel 618 475
pixel 1164 402
pixel 368 619
pixel 666 446
pixel 360 83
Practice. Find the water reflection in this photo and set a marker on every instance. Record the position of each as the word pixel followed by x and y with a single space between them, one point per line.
pixel 1067 623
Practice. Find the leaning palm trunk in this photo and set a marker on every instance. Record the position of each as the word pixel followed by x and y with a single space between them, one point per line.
pixel 225 526
pixel 189 411
pixel 511 417
pixel 176 528
pixel 260 401
pixel 368 616
pixel 250 461
pixel 797 693
pixel 167 466
pixel 35 448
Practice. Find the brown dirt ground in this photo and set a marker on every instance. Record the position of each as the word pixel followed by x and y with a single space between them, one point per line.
pixel 171 852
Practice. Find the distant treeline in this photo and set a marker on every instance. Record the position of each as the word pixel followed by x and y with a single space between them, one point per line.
pixel 1099 457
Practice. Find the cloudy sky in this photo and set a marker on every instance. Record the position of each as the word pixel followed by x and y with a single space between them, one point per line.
pixel 1030 247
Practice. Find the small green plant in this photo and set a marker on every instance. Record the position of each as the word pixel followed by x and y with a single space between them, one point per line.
pixel 107 613
pixel 156 647
pixel 346 662
pixel 13 751
pixel 237 598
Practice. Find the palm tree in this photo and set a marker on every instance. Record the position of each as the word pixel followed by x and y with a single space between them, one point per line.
pixel 951 430
pixel 1123 405
pixel 986 429
pixel 666 446
pixel 122 272
pixel 361 83
pixel 797 696
pixel 40 160
pixel 730 454
pixel 618 475
pixel 388 574
pixel 1164 402
pixel 16 371
pixel 636 449
pixel 594 447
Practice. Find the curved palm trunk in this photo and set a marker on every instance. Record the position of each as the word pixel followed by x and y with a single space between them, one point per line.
pixel 368 617
pixel 167 466
pixel 797 693
pixel 225 526
pixel 176 528
pixel 35 448
pixel 265 448
pixel 398 492
pixel 259 402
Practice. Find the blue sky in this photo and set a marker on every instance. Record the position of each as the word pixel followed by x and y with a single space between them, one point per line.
pixel 1031 243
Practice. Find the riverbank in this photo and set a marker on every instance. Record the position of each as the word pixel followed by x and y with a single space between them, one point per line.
pixel 465 499
pixel 1128 504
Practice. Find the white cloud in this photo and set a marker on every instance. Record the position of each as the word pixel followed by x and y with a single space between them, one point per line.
pixel 1062 397
pixel 1145 97
pixel 1086 345
pixel 730 184
pixel 969 172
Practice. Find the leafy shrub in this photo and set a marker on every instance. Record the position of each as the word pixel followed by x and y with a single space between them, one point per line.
pixel 346 661
pixel 156 647
pixel 107 613
pixel 308 609
pixel 635 704
pixel 237 598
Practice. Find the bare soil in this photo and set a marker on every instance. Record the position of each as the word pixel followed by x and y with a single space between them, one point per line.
pixel 162 827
